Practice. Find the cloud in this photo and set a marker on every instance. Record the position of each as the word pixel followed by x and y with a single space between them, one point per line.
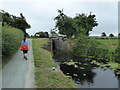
pixel 40 14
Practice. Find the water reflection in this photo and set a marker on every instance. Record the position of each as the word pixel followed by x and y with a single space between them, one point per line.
pixel 87 75
pixel 79 75
pixel 102 79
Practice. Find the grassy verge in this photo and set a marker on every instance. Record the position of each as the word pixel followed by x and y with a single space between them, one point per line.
pixel 45 76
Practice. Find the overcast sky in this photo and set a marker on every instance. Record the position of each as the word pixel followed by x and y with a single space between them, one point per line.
pixel 40 14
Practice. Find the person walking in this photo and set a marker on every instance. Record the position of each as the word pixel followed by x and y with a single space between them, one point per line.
pixel 24 48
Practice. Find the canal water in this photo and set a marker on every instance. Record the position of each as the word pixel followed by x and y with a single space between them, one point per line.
pixel 87 76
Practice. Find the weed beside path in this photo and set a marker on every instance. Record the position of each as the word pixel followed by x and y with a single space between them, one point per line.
pixel 44 75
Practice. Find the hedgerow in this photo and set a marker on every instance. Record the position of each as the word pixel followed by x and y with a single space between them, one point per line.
pixel 86 46
pixel 11 40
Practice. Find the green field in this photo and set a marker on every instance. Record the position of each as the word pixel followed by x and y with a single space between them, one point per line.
pixel 44 75
pixel 110 44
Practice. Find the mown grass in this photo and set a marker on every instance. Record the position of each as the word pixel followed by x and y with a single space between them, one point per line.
pixel 11 41
pixel 44 75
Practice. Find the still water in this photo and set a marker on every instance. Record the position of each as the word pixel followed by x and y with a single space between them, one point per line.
pixel 102 79
pixel 88 76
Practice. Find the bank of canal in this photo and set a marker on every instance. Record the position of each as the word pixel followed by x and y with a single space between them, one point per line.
pixel 86 72
pixel 45 76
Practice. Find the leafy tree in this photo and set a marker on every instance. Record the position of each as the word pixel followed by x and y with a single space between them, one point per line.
pixel 20 22
pixel 6 18
pixel 119 35
pixel 64 24
pixel 81 23
pixel 42 34
pixel 103 34
pixel 85 23
pixel 111 35
pixel 46 34
pixel 14 21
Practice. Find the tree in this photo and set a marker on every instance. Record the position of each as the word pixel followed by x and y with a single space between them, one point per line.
pixel 20 23
pixel 84 23
pixel 81 23
pixel 103 34
pixel 42 34
pixel 14 21
pixel 111 35
pixel 6 18
pixel 46 34
pixel 119 35
pixel 64 24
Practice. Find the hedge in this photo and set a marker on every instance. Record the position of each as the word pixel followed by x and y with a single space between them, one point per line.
pixel 11 40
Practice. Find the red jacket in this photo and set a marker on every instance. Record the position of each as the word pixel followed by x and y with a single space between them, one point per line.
pixel 24 47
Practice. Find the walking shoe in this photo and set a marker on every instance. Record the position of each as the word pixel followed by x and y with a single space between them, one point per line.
pixel 25 57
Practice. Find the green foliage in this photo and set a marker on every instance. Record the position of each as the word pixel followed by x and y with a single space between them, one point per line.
pixel 103 34
pixel 86 46
pixel 14 21
pixel 119 35
pixel 41 34
pixel 111 35
pixel 85 23
pixel 105 37
pixel 11 40
pixel 117 55
pixel 81 23
pixel 65 24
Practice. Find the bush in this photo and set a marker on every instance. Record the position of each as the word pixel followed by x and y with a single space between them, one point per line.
pixel 11 40
pixel 87 46
pixel 117 55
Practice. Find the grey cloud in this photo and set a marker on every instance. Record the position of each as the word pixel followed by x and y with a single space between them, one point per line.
pixel 40 15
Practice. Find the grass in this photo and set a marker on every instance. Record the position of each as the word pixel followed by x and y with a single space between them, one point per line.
pixel 44 75
pixel 105 48
pixel 110 44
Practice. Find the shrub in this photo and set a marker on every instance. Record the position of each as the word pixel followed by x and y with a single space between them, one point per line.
pixel 87 46
pixel 117 55
pixel 11 40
